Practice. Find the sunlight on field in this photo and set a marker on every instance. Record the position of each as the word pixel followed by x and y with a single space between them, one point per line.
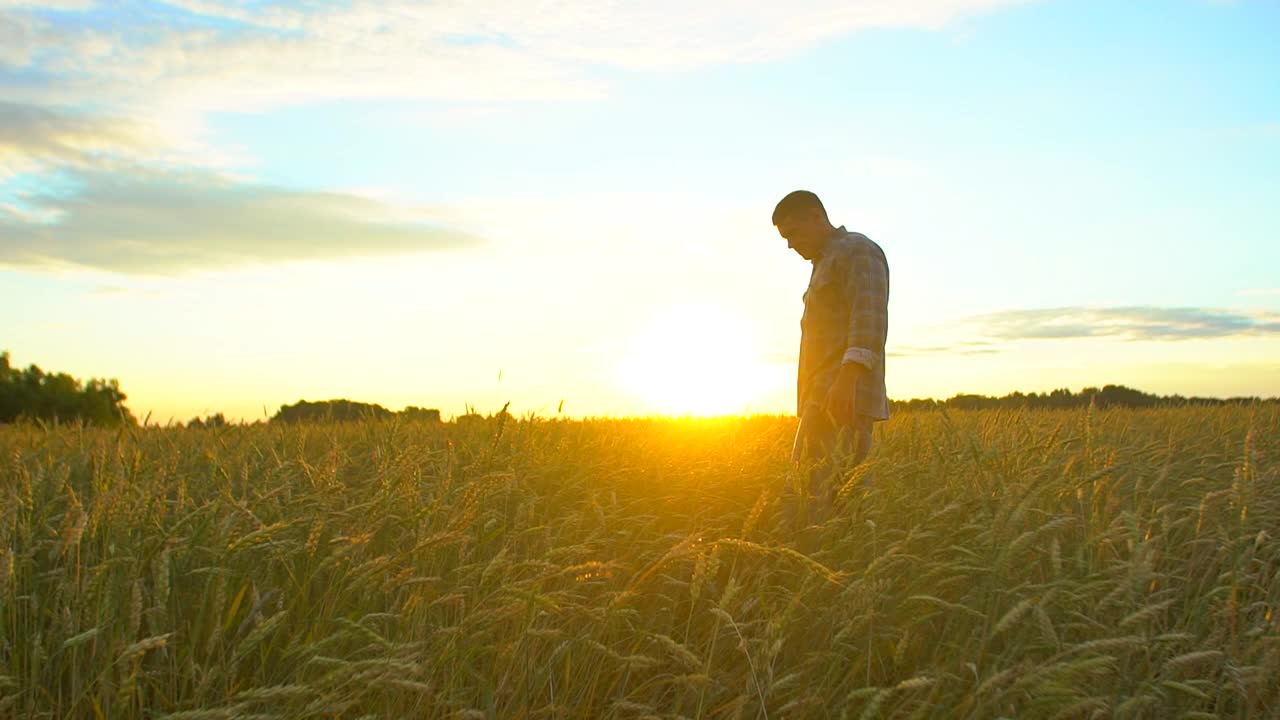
pixel 1028 564
pixel 695 359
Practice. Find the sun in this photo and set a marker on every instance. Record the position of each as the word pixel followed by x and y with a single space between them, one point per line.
pixel 694 359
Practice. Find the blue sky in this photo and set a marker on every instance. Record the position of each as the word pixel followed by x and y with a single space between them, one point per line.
pixel 230 206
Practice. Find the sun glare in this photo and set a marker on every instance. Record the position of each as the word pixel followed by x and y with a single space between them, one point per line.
pixel 695 359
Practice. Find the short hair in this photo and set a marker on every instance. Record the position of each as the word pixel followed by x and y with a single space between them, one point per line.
pixel 797 200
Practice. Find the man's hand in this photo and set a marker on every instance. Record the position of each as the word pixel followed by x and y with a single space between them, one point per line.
pixel 843 395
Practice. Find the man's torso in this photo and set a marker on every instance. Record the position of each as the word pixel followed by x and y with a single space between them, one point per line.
pixel 825 324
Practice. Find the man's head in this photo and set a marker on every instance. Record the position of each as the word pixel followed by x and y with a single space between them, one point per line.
pixel 802 221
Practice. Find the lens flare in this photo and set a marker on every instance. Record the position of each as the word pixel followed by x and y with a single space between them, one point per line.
pixel 695 359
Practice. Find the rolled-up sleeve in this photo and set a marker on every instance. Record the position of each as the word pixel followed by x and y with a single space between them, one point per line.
pixel 867 280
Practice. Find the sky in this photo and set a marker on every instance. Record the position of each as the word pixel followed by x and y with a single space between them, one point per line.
pixel 230 205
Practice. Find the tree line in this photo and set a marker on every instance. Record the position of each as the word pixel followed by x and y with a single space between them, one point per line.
pixel 34 394
pixel 1064 399
pixel 344 410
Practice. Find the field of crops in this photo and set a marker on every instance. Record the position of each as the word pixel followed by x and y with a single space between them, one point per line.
pixel 1109 563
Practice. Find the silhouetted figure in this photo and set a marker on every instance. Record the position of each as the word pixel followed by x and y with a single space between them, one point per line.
pixel 840 380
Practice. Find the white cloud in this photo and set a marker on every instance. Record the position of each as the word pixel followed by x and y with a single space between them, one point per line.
pixel 1080 326
pixel 39 139
pixel 49 4
pixel 118 101
pixel 15 41
pixel 1129 323
pixel 175 69
pixel 163 222
pixel 163 66
pixel 237 55
pixel 32 137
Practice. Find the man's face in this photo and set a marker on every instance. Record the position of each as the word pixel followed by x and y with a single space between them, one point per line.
pixel 805 232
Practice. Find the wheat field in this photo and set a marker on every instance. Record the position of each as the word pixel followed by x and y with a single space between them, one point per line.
pixel 1068 564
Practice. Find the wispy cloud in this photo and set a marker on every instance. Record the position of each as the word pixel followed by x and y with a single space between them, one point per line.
pixel 187 57
pixel 49 4
pixel 993 332
pixel 1127 323
pixel 116 203
pixel 34 137
pixel 964 347
pixel 107 102
pixel 202 53
pixel 152 222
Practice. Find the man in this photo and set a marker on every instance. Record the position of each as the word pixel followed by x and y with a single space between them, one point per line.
pixel 840 383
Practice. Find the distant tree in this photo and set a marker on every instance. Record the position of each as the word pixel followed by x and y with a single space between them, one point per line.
pixel 1060 398
pixel 347 410
pixel 330 411
pixel 33 393
pixel 1121 396
pixel 414 412
pixel 210 421
pixel 1063 398
pixel 972 402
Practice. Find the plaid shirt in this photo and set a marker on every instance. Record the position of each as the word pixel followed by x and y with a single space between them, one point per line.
pixel 846 319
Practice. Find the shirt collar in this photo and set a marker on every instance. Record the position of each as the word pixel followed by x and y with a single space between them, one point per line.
pixel 835 233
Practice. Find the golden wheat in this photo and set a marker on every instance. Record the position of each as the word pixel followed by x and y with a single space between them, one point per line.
pixel 1031 564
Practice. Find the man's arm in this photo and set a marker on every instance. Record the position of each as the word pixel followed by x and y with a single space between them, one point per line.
pixel 867 290
pixel 867 283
